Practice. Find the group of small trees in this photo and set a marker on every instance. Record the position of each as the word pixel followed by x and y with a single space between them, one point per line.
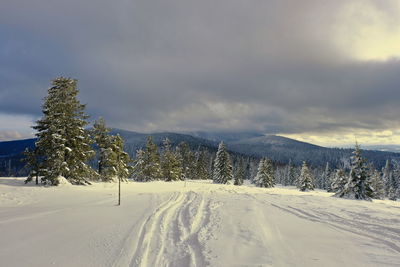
pixel 171 164
pixel 361 182
pixel 64 146
pixel 365 182
pixel 358 185
pixel 223 171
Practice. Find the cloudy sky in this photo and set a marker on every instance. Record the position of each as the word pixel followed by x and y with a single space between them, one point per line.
pixel 316 70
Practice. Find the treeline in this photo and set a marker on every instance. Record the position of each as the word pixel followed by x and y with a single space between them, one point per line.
pixel 356 178
pixel 66 149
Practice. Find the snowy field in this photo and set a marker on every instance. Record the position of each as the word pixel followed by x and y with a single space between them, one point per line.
pixel 202 224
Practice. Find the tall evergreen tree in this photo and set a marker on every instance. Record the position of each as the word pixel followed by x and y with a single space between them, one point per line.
pixel 152 167
pixel 188 161
pixel 306 179
pixel 340 179
pixel 115 164
pixel 394 182
pixel 253 170
pixel 377 184
pixel 32 159
pixel 63 142
pixel 240 172
pixel 222 166
pixel 139 166
pixel 171 165
pixel 100 132
pixel 202 168
pixel 327 178
pixel 387 176
pixel 123 160
pixel 358 186
pixel 265 175
pixel 290 175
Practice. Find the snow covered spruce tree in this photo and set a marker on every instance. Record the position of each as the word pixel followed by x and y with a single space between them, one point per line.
pixel 138 166
pixel 239 174
pixel 377 184
pixel 387 176
pixel 63 143
pixel 306 179
pixel 394 182
pixel 115 161
pixel 339 181
pixel 151 165
pixel 32 160
pixel 122 164
pixel 290 174
pixel 327 178
pixel 358 186
pixel 222 166
pixel 171 164
pixel 201 168
pixel 188 161
pixel 265 175
pixel 100 132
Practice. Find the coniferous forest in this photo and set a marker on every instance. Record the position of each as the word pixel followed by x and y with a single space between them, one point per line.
pixel 68 148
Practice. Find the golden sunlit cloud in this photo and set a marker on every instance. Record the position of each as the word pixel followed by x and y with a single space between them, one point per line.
pixel 367 31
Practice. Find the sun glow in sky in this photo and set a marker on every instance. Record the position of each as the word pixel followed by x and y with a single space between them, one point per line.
pixel 325 72
pixel 366 32
pixel 385 137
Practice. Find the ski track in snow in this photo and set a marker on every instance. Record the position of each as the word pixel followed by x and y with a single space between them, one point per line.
pixel 357 223
pixel 211 225
pixel 172 235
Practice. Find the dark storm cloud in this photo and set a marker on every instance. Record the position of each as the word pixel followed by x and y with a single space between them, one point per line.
pixel 195 65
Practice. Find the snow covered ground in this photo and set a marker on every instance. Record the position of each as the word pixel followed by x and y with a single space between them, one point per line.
pixel 202 224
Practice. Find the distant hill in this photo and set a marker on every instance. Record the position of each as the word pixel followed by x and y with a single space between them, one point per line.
pixel 275 141
pixel 278 148
pixel 11 156
pixel 225 136
pixel 282 149
pixel 135 140
pixel 388 148
pixel 14 148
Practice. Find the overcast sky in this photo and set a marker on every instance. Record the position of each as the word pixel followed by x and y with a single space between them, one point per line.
pixel 316 70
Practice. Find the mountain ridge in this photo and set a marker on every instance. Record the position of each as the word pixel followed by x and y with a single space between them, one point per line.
pixel 278 148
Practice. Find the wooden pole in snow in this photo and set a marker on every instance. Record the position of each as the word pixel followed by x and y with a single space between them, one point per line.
pixel 119 191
